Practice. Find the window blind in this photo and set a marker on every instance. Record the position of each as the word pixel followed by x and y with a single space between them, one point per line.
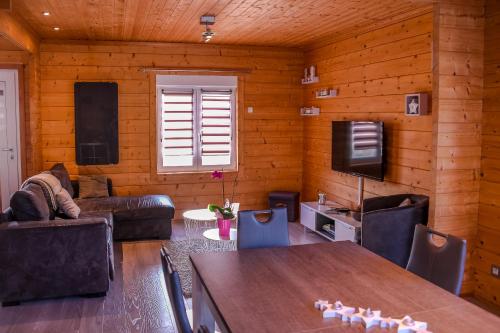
pixel 177 128
pixel 216 127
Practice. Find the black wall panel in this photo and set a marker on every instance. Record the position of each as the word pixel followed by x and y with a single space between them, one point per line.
pixel 96 123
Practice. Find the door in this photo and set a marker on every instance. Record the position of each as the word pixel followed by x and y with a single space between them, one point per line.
pixel 9 135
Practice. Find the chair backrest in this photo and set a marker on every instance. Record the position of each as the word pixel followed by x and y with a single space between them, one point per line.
pixel 253 233
pixel 174 289
pixel 441 265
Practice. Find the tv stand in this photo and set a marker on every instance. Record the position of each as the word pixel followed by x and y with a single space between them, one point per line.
pixel 343 226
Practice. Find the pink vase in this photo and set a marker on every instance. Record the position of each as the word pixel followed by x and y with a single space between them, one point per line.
pixel 224 227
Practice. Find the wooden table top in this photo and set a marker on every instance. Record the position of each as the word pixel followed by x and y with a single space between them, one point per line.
pixel 273 290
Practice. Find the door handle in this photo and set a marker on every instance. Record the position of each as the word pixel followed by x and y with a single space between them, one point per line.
pixel 7 149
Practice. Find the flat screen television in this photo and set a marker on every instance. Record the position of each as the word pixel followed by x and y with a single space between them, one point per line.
pixel 358 148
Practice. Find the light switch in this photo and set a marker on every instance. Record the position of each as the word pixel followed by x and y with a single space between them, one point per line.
pixel 250 109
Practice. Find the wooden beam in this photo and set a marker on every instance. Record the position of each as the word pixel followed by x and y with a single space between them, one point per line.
pixel 18 33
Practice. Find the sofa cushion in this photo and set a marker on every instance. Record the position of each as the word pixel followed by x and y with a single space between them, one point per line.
pixel 131 208
pixel 67 205
pixel 29 204
pixel 61 173
pixel 95 186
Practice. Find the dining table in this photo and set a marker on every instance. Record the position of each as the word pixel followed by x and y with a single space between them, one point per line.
pixel 274 290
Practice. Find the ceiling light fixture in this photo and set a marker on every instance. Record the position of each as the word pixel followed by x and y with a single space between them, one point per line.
pixel 207 20
pixel 56 28
pixel 46 13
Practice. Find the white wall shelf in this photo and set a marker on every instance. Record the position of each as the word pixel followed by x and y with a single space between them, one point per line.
pixel 309 111
pixel 310 80
pixel 330 94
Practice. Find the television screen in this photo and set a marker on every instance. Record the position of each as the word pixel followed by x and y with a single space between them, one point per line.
pixel 357 148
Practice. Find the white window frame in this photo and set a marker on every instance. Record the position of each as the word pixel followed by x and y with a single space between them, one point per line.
pixel 196 83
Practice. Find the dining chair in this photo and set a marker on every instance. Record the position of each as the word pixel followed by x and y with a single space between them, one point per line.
pixel 441 265
pixel 174 289
pixel 258 233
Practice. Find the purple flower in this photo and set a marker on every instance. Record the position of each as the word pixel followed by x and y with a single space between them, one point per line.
pixel 217 174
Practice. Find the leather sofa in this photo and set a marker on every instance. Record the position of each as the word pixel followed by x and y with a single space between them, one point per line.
pixel 134 217
pixel 56 257
pixel 387 228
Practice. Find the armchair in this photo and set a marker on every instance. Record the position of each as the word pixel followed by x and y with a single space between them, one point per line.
pixel 387 229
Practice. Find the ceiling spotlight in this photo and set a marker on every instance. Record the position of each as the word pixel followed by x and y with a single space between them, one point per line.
pixel 56 28
pixel 46 13
pixel 207 20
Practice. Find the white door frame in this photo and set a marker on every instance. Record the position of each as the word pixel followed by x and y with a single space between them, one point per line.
pixel 10 74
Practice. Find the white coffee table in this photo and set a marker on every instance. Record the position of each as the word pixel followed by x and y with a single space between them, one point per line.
pixel 213 234
pixel 196 221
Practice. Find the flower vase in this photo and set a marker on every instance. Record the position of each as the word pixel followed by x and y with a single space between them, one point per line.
pixel 224 226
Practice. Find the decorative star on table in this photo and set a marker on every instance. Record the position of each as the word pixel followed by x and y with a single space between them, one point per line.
pixel 339 310
pixel 408 325
pixel 321 304
pixel 367 317
pixel 388 322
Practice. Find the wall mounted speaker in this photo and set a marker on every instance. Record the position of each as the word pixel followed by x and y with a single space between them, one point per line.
pixel 96 123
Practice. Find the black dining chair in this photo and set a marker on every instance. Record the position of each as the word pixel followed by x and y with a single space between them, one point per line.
pixel 174 289
pixel 441 265
pixel 254 232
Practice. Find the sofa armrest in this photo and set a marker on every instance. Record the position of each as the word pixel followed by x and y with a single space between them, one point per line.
pixel 43 259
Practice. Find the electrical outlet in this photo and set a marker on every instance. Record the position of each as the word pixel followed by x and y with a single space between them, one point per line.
pixel 495 271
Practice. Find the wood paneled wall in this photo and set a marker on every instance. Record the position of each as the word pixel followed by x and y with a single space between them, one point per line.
pixel 24 55
pixel 457 107
pixel 270 138
pixel 372 73
pixel 487 250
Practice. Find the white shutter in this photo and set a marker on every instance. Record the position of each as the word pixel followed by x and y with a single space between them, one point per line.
pixel 216 127
pixel 177 128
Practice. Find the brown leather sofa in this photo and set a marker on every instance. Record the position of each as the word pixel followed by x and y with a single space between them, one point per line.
pixel 46 257
pixel 54 258
pixel 134 217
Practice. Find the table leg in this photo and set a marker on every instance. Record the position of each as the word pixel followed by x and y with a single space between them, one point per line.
pixel 201 312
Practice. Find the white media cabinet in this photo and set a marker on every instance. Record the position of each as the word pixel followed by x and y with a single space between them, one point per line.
pixel 313 216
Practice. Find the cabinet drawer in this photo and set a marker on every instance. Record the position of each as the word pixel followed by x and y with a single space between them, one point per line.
pixel 344 232
pixel 308 217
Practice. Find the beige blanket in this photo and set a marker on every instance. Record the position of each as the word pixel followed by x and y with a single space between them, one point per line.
pixel 50 185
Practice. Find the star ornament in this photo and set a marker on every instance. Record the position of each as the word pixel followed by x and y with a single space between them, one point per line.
pixel 408 325
pixel 367 317
pixel 388 322
pixel 342 311
pixel 321 304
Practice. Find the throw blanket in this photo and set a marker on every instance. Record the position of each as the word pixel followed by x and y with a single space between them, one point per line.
pixel 50 185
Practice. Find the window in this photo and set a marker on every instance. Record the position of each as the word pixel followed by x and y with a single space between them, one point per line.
pixel 196 123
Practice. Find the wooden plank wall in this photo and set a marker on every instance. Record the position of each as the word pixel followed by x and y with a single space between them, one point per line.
pixel 487 250
pixel 27 56
pixel 373 71
pixel 457 107
pixel 270 138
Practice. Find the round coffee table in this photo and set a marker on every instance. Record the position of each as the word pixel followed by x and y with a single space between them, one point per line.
pixel 213 234
pixel 198 220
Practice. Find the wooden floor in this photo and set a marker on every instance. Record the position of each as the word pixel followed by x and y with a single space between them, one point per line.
pixel 136 301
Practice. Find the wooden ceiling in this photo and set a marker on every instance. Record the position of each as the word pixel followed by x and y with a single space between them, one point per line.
pixel 294 23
